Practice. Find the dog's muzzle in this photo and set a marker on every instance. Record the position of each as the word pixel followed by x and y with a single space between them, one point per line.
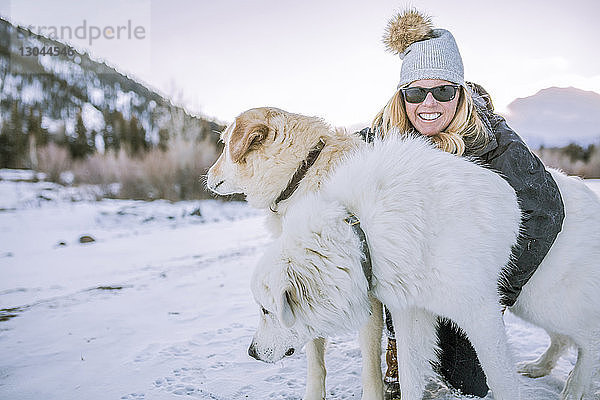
pixel 213 187
pixel 252 352
pixel 218 184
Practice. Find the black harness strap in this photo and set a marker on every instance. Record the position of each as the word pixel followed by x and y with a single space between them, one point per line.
pixel 366 264
pixel 299 174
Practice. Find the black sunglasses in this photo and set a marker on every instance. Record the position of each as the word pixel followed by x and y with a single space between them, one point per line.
pixel 440 93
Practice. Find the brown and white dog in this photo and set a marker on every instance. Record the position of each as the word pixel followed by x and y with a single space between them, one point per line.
pixel 275 158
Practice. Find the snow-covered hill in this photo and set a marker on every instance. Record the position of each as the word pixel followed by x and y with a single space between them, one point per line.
pixel 158 306
pixel 555 117
pixel 57 87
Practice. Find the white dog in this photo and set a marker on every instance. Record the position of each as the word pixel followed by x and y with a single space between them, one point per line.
pixel 275 158
pixel 439 230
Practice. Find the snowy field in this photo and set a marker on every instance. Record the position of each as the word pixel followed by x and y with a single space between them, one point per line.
pixel 158 306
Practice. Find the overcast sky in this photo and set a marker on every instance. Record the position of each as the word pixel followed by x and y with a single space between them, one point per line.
pixel 322 57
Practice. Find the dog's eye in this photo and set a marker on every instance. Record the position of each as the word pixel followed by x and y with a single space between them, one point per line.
pixel 264 311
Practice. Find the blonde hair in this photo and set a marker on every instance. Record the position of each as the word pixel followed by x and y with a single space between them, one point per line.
pixel 466 130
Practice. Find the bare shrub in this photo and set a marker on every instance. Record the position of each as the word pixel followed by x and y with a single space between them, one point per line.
pixel 193 160
pixel 159 170
pixel 53 160
pixel 174 174
pixel 592 168
pixel 556 158
pixel 131 178
pixel 97 169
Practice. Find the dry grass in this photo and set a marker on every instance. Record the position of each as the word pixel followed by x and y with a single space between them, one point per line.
pixel 53 160
pixel 556 158
pixel 174 174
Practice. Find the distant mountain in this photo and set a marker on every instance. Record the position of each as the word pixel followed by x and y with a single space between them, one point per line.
pixel 555 117
pixel 70 95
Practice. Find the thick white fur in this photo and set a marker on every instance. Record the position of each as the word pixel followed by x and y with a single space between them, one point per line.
pixel 262 175
pixel 440 230
pixel 563 296
pixel 267 168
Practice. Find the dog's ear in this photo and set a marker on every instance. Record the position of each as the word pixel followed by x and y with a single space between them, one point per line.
pixel 244 137
pixel 286 313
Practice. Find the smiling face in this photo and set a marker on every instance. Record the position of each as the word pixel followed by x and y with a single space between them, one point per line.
pixel 431 116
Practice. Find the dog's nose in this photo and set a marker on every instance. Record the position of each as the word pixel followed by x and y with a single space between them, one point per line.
pixel 252 352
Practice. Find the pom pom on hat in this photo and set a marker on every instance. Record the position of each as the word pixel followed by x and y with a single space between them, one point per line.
pixel 426 53
pixel 406 28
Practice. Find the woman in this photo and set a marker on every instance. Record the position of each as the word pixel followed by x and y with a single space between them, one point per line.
pixel 433 99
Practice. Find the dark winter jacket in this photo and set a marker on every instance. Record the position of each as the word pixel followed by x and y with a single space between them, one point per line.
pixel 539 198
pixel 537 193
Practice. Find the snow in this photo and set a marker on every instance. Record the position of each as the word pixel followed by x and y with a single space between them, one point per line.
pixel 99 143
pixel 10 86
pixel 95 94
pixel 32 93
pixel 64 69
pixel 123 102
pixel 70 126
pixel 92 118
pixel 53 126
pixel 159 306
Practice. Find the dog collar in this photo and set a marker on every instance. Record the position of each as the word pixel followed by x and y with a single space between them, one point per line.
pixel 365 263
pixel 299 174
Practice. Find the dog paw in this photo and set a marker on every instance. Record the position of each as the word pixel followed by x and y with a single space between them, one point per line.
pixel 313 395
pixel 570 396
pixel 571 392
pixel 533 369
pixel 372 391
pixel 373 397
pixel 314 392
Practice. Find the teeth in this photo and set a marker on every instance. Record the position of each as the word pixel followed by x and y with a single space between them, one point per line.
pixel 429 117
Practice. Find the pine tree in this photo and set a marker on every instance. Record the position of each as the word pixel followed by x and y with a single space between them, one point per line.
pixel 134 137
pixel 163 139
pixel 20 138
pixel 37 136
pixel 34 125
pixel 13 143
pixel 121 131
pixel 79 146
pixel 92 142
pixel 6 147
pixel 137 137
pixel 110 135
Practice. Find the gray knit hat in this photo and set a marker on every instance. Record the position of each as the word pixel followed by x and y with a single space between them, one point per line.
pixel 426 53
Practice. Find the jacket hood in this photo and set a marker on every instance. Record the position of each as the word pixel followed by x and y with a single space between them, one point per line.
pixel 485 110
